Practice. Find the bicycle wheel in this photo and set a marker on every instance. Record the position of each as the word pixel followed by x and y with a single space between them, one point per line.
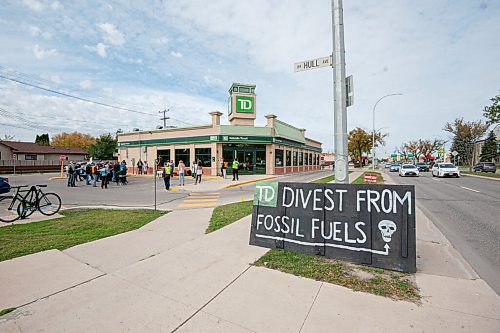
pixel 8 209
pixel 28 206
pixel 49 204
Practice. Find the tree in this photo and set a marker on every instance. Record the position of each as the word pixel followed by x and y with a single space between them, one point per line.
pixel 423 147
pixel 75 139
pixel 489 151
pixel 7 137
pixel 103 148
pixel 42 140
pixel 465 136
pixel 360 141
pixel 492 112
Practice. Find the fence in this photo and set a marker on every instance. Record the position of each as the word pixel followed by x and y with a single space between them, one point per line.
pixel 9 166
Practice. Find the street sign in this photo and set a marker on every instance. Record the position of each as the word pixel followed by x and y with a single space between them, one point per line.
pixel 441 151
pixel 454 153
pixel 394 155
pixel 349 90
pixel 370 178
pixel 313 64
pixel 370 224
pixel 410 155
pixel 62 158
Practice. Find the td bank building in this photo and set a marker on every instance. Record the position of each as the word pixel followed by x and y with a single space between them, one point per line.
pixel 277 148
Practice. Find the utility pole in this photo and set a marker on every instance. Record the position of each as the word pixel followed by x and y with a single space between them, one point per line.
pixel 339 93
pixel 164 118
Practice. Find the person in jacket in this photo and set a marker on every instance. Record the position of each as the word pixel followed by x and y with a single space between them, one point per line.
pixel 88 173
pixel 181 168
pixel 166 176
pixel 104 175
pixel 235 167
pixel 199 173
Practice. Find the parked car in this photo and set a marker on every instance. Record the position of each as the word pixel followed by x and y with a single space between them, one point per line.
pixel 422 167
pixel 4 185
pixel 387 165
pixel 357 164
pixel 485 167
pixel 408 170
pixel 445 170
pixel 395 167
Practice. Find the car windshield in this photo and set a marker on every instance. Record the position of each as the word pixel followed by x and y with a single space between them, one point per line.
pixel 489 164
pixel 409 166
pixel 420 164
pixel 447 165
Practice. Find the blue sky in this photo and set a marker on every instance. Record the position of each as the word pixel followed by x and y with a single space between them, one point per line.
pixel 184 55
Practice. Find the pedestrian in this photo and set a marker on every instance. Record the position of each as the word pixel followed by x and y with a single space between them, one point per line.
pixel 104 176
pixel 199 173
pixel 194 166
pixel 235 167
pixel 166 176
pixel 180 167
pixel 222 168
pixel 95 174
pixel 88 172
pixel 139 167
pixel 71 175
pixel 116 169
pixel 146 167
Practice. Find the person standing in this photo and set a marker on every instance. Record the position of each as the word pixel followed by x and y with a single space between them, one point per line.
pixel 139 167
pixel 166 176
pixel 199 173
pixel 235 167
pixel 71 175
pixel 223 168
pixel 194 166
pixel 95 174
pixel 181 167
pixel 88 172
pixel 104 176
pixel 146 167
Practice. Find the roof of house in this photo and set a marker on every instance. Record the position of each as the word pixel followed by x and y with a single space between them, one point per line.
pixel 33 148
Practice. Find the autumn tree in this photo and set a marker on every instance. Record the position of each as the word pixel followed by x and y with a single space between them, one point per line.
pixel 75 139
pixel 423 147
pixel 103 148
pixel 492 112
pixel 42 139
pixel 489 151
pixel 360 141
pixel 465 135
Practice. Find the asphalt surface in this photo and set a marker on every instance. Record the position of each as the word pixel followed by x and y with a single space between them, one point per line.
pixel 467 211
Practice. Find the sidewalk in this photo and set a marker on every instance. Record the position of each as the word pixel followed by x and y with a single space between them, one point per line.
pixel 169 276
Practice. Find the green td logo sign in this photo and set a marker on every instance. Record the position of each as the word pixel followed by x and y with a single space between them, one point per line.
pixel 266 194
pixel 244 104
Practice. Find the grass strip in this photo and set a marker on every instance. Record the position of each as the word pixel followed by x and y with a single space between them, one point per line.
pixel 5 311
pixel 484 174
pixel 361 180
pixel 227 214
pixel 324 180
pixel 75 227
pixel 376 281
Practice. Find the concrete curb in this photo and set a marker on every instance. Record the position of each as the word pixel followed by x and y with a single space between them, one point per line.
pixel 249 181
pixel 478 176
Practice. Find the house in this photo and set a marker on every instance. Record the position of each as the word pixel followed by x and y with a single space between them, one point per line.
pixel 29 151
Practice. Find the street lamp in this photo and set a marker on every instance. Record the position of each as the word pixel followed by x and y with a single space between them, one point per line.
pixel 373 133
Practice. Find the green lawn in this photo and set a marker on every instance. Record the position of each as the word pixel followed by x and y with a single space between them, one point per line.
pixel 360 179
pixel 324 180
pixel 75 227
pixel 227 214
pixel 485 174
pixel 376 281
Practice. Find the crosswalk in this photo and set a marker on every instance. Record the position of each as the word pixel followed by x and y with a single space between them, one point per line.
pixel 200 199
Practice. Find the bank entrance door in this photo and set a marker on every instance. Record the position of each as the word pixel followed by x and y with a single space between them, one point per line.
pixel 251 158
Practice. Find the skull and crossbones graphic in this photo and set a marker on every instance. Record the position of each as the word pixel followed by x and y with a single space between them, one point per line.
pixel 387 228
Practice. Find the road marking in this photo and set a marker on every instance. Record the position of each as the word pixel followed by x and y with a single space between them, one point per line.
pixel 194 194
pixel 470 189
pixel 206 204
pixel 200 200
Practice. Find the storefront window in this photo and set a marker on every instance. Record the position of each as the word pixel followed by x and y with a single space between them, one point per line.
pixel 310 159
pixel 182 154
pixel 301 158
pixel 288 158
pixel 317 159
pixel 163 156
pixel 204 155
pixel 278 158
pixel 294 158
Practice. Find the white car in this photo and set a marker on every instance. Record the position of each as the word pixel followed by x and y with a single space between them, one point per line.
pixel 408 170
pixel 445 170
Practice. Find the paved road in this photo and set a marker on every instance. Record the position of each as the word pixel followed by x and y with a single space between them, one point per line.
pixel 467 211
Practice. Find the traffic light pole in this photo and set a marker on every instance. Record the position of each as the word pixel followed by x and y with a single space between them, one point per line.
pixel 339 93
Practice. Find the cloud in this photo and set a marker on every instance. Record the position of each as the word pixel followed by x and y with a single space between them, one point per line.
pixel 56 5
pixel 41 53
pixel 34 5
pixel 100 49
pixel 85 84
pixel 160 40
pixel 112 35
pixel 176 54
pixel 56 79
pixel 34 30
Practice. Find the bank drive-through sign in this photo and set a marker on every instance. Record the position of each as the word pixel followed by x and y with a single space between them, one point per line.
pixel 369 224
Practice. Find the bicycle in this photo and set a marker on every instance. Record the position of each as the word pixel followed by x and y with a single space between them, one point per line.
pixel 13 207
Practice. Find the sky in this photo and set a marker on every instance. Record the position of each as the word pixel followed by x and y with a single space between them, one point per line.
pixel 146 56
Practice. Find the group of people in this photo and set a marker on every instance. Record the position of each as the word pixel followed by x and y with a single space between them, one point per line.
pixel 92 173
pixel 234 168
pixel 142 167
pixel 168 172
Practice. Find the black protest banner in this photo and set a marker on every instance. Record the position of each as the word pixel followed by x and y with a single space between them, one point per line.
pixel 368 224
